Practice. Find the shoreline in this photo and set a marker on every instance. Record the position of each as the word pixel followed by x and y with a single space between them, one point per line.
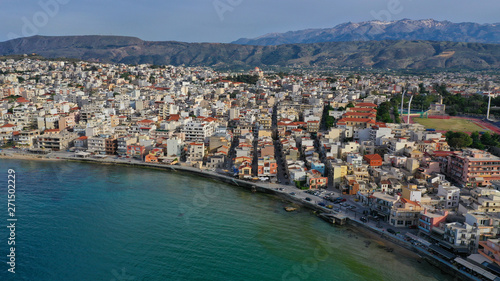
pixel 403 247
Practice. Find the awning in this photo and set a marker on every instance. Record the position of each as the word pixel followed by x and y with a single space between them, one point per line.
pixel 477 269
pixel 442 251
pixel 493 268
pixel 418 239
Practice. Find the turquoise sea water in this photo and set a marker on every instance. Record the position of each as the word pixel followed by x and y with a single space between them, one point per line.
pixel 79 221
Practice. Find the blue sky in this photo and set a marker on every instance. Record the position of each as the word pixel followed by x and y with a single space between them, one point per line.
pixel 219 20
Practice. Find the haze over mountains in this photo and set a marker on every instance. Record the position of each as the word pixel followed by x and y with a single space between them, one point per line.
pixel 393 54
pixel 378 30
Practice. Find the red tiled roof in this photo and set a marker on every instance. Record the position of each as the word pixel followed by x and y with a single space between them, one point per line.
pixel 409 202
pixel 373 157
pixel 21 99
pixel 174 117
pixel 363 120
pixel 366 104
pixel 363 114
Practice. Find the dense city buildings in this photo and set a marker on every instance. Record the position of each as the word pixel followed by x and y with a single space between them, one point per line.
pixel 304 131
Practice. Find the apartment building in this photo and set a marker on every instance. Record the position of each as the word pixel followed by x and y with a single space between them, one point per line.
pixel 460 234
pixel 451 195
pixel 198 131
pixel 97 144
pixel 196 151
pixel 56 141
pixel 473 167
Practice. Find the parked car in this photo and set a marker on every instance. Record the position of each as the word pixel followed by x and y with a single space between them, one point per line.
pixel 308 199
pixel 391 231
pixel 363 219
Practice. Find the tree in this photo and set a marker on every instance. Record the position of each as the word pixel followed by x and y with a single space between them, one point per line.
pixel 487 139
pixel 383 112
pixel 329 122
pixel 458 139
pixel 350 105
pixel 476 141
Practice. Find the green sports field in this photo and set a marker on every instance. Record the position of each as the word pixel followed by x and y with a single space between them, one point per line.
pixel 456 125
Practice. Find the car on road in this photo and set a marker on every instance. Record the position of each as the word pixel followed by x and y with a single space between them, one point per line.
pixel 292 193
pixel 321 204
pixel 391 231
pixel 363 219
pixel 308 199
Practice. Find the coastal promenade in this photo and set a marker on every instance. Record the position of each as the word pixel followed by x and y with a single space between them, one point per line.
pixel 285 192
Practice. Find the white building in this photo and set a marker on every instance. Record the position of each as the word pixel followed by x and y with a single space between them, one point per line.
pixel 174 147
pixel 451 195
pixel 354 159
pixel 461 234
pixel 96 144
pixel 196 131
pixel 196 151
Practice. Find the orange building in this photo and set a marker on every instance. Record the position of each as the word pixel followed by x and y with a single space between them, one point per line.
pixel 316 180
pixel 150 158
pixel 374 160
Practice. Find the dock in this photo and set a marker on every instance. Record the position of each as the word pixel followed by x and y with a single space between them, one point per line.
pixel 334 218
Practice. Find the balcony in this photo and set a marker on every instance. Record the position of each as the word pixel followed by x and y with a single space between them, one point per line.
pixel 425 222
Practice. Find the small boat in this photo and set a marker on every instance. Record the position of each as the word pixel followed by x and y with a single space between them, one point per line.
pixel 290 209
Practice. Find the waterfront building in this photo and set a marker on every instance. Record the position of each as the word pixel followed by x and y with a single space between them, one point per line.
pixel 55 141
pixel 490 249
pixel 461 235
pixel 432 221
pixel 405 213
pixel 196 151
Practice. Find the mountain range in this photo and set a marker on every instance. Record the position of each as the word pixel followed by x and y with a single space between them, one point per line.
pixel 371 52
pixel 405 29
